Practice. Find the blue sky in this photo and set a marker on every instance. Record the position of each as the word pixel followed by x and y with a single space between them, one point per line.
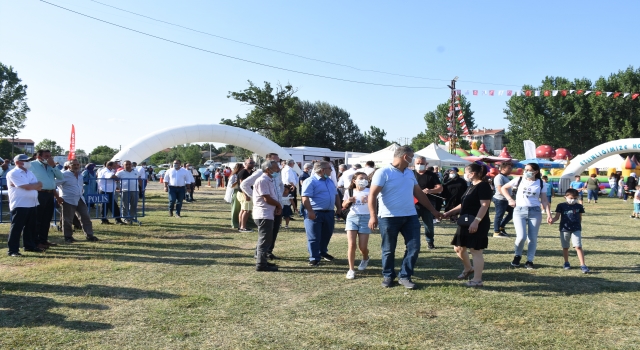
pixel 116 85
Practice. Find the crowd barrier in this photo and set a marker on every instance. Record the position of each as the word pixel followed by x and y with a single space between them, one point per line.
pixel 121 199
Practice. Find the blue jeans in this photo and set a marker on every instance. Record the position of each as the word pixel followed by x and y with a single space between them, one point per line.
pixel 592 194
pixel 613 192
pixel 427 221
pixel 409 227
pixel 502 207
pixel 319 232
pixel 176 194
pixel 527 221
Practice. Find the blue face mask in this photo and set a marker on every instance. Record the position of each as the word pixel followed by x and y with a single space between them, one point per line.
pixel 529 174
pixel 326 176
pixel 275 175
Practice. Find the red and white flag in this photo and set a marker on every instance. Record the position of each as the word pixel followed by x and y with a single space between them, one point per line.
pixel 72 144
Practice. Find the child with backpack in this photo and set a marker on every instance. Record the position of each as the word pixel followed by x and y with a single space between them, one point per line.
pixel 570 215
pixel 357 221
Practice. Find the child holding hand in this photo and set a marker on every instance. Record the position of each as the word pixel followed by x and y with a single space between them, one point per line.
pixel 570 215
pixel 357 221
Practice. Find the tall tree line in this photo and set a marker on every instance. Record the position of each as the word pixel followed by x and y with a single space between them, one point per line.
pixel 576 122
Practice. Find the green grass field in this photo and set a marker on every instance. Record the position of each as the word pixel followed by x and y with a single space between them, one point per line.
pixel 190 283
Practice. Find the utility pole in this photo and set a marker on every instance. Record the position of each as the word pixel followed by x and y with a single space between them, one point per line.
pixel 451 119
pixel 209 150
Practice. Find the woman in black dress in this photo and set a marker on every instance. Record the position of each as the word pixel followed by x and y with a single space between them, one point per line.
pixel 475 202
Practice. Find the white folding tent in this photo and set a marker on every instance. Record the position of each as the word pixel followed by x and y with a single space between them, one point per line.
pixel 614 161
pixel 437 156
pixel 380 158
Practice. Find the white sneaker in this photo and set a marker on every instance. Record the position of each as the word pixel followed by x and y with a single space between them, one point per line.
pixel 351 274
pixel 363 265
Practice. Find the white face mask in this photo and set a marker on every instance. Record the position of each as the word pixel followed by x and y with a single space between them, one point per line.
pixel 466 177
pixel 362 183
pixel 452 175
pixel 529 174
pixel 26 165
pixel 421 167
pixel 571 200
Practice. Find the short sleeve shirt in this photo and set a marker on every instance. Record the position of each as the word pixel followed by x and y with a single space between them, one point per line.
pixel 472 197
pixel 361 206
pixel 528 193
pixel 264 186
pixel 321 192
pixel 243 174
pixel 19 197
pixel 500 180
pixel 396 196
pixel 128 179
pixel 427 180
pixel 576 185
pixel 570 216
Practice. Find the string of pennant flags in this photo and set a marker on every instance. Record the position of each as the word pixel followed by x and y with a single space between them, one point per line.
pixel 455 113
pixel 546 93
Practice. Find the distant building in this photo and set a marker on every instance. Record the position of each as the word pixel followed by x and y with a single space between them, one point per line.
pixel 492 138
pixel 27 145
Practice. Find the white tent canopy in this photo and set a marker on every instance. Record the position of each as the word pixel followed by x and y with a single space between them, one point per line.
pixel 614 161
pixel 437 156
pixel 380 158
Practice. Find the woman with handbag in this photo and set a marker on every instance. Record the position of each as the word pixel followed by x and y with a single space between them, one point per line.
pixel 473 224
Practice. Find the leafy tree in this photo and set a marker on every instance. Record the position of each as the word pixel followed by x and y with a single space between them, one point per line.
pixel 13 102
pixel 437 124
pixel 374 140
pixel 102 154
pixel 51 145
pixel 332 127
pixel 185 153
pixel 575 121
pixel 7 149
pixel 274 114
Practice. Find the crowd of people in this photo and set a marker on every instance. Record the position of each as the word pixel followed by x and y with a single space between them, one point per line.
pixel 397 199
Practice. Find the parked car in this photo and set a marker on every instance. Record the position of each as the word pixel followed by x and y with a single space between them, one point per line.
pixel 160 174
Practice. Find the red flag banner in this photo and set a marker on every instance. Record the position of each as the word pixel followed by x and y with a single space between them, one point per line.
pixel 491 92
pixel 475 92
pixel 546 93
pixel 634 96
pixel 615 95
pixel 598 93
pixel 579 92
pixel 564 92
pixel 527 93
pixel 72 144
pixel 509 92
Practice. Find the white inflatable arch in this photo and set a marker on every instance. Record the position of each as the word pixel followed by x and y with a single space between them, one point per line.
pixel 146 146
pixel 583 161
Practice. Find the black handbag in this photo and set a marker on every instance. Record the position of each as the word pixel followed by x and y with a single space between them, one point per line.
pixel 466 220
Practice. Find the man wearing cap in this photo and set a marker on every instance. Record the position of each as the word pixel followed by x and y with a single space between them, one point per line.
pixel 23 200
pixel 44 169
pixel 73 203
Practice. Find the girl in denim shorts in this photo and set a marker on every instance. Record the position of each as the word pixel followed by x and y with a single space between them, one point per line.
pixel 356 198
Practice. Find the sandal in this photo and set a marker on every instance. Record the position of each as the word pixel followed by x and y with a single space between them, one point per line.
pixel 465 275
pixel 474 284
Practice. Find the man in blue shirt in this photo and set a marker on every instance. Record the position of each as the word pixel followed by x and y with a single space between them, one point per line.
pixel 319 197
pixel 394 186
pixel 44 168
pixel 578 186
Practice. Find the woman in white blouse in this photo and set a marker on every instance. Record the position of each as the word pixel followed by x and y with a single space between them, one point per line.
pixel 530 193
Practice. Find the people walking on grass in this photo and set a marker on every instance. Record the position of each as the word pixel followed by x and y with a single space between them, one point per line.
pixel 234 183
pixel 613 185
pixel 593 187
pixel 473 225
pixel 570 215
pixel 393 188
pixel 266 205
pixel 356 199
pixel 319 197
pixel 23 187
pixel 287 213
pixel 636 203
pixel 631 183
pixel 73 204
pixel 531 192
pixel 176 180
pixel 244 196
pixel 500 202
pixel 579 186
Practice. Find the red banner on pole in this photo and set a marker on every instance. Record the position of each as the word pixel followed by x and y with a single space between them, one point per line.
pixel 72 145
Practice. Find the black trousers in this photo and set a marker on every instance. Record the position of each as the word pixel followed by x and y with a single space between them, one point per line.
pixel 112 205
pixel 277 221
pixel 23 221
pixel 44 214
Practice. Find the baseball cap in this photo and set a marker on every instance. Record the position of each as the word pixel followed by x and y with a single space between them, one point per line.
pixel 453 169
pixel 21 158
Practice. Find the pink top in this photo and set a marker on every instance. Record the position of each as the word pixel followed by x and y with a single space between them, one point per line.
pixel 263 186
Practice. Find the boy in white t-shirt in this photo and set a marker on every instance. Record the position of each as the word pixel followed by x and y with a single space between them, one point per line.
pixel 357 221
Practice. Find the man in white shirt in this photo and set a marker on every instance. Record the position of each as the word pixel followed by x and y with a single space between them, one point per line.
pixel 347 176
pixel 290 177
pixel 23 190
pixel 107 185
pixel 175 181
pixel 369 167
pixel 73 203
pixel 245 186
pixel 130 181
